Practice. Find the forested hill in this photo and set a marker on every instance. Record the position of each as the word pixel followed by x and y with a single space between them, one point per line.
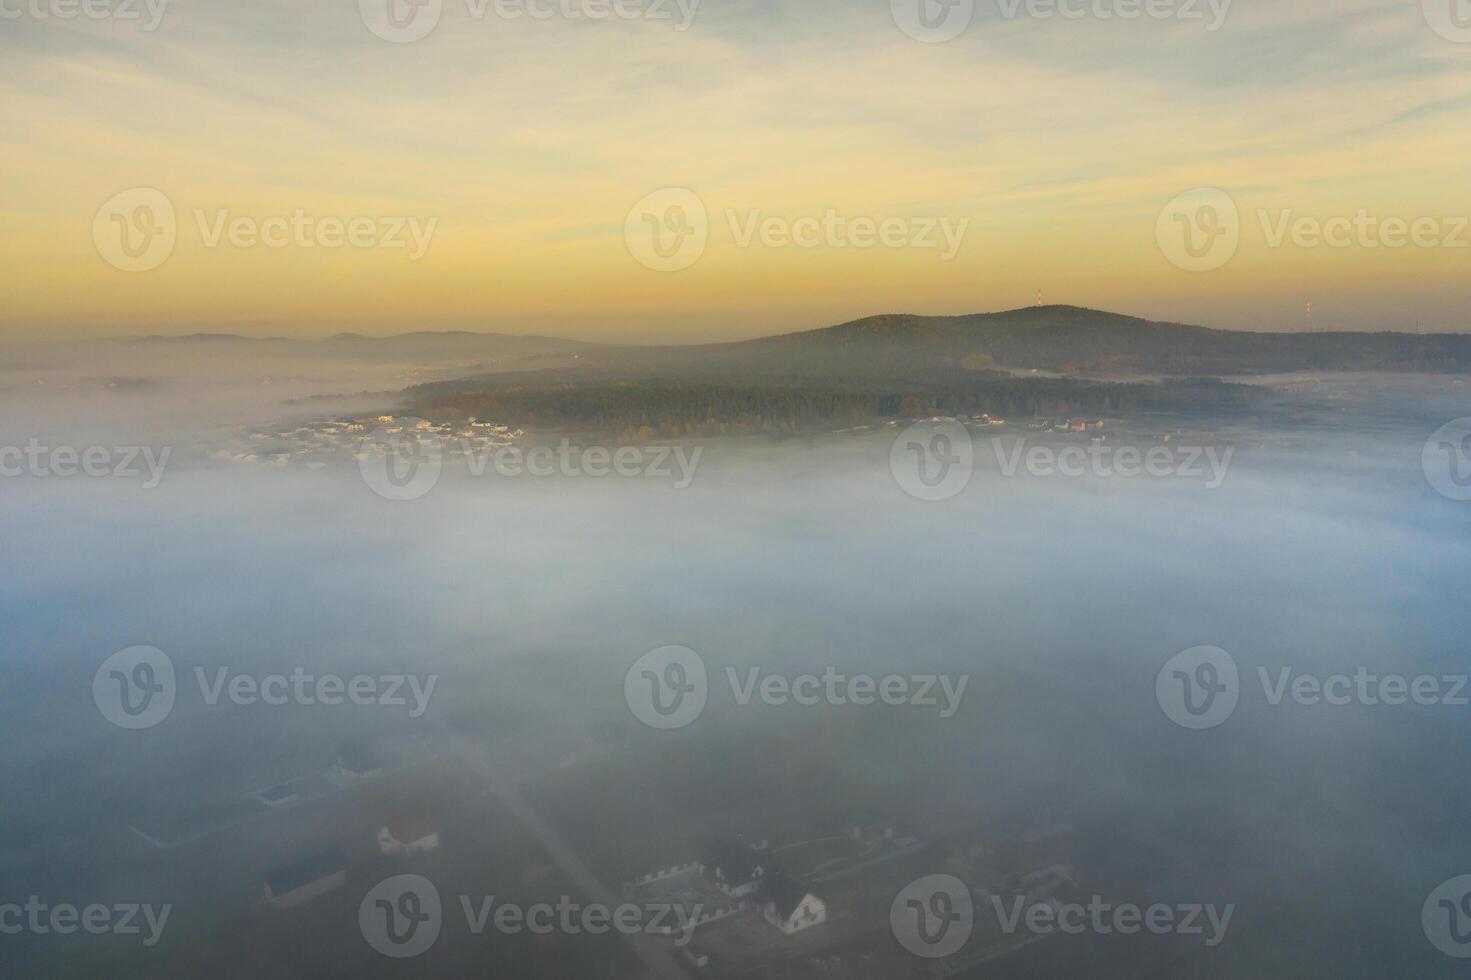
pixel 1069 339
pixel 1064 340
pixel 638 409
pixel 1022 363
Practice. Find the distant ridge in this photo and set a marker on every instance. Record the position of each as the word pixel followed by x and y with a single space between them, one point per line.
pixel 351 336
pixel 194 337
pixel 1076 340
pixel 1067 340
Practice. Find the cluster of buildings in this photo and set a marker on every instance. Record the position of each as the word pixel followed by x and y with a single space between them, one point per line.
pixel 744 873
pixel 315 444
pixel 768 895
pixel 1065 425
pixel 731 878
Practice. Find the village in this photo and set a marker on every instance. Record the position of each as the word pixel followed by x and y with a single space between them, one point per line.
pixel 822 907
pixel 317 444
pixel 796 897
pixel 818 905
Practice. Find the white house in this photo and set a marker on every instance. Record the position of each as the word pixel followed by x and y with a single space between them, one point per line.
pixel 408 833
pixel 788 904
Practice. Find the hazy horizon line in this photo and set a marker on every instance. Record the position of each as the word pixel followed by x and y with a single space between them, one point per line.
pixel 254 331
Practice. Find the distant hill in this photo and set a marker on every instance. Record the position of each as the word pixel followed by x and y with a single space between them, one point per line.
pixel 190 338
pixel 906 366
pixel 1073 340
pixel 1064 340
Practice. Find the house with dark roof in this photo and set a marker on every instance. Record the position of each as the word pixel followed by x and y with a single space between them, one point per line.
pixel 734 868
pixel 356 761
pixel 311 877
pixel 790 905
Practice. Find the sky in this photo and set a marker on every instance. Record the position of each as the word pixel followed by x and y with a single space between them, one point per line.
pixel 728 168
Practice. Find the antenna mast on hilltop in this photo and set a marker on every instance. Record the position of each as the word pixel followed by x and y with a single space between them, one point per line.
pixel 1310 309
pixel 1039 297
